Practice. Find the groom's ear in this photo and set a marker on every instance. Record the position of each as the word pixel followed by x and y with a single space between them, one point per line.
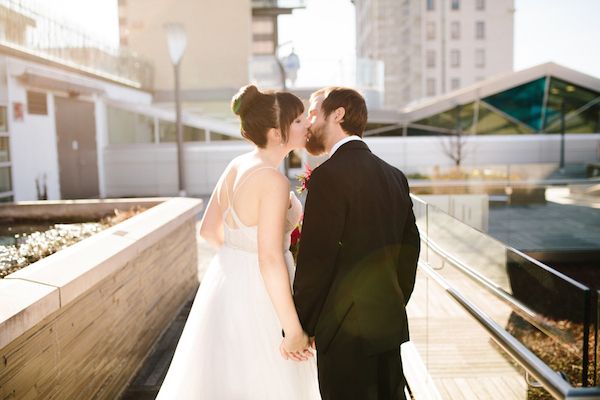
pixel 339 114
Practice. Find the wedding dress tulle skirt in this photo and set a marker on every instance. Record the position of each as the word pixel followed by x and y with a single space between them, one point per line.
pixel 229 349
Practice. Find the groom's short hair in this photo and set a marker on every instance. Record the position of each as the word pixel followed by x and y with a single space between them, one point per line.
pixel 334 97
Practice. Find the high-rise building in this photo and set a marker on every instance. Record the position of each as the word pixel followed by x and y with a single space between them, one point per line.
pixel 431 47
pixel 222 38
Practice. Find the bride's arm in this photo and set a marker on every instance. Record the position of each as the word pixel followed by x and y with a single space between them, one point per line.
pixel 211 226
pixel 273 206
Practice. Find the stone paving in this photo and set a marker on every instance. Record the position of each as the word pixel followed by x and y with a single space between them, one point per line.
pixel 547 227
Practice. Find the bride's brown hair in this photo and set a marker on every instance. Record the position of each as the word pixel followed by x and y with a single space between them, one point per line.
pixel 260 112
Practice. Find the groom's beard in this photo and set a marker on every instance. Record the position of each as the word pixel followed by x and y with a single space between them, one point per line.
pixel 316 143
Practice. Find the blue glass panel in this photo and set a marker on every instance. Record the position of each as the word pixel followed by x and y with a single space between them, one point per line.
pixel 574 98
pixel 523 102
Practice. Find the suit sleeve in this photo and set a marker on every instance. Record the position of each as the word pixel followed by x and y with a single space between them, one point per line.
pixel 322 229
pixel 409 250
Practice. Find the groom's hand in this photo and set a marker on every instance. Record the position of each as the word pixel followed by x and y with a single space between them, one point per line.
pixel 299 356
pixel 296 347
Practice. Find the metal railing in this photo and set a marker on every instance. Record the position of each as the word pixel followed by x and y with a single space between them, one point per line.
pixel 26 28
pixel 550 380
pixel 579 298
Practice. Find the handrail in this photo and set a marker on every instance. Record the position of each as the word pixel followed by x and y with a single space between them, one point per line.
pixel 549 379
pixel 515 304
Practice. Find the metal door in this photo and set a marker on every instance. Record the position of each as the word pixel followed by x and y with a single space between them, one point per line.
pixel 77 154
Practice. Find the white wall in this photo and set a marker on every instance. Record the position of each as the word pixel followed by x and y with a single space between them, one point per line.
pixel 151 170
pixel 33 147
pixel 421 154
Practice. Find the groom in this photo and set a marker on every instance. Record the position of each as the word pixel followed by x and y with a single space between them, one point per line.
pixel 358 256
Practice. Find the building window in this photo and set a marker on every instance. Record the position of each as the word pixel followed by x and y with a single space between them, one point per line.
pixel 480 30
pixel 430 30
pixel 5 180
pixel 430 61
pixel 480 5
pixel 430 5
pixel 37 103
pixel 455 30
pixel 126 127
pixel 480 58
pixel 455 83
pixel 430 90
pixel 455 5
pixel 167 133
pixel 455 58
pixel 4 150
pixel 216 136
pixel 3 120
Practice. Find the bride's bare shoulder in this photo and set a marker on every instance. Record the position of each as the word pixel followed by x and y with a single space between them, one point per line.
pixel 237 163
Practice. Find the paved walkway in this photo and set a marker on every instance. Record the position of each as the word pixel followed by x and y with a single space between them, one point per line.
pixel 146 384
pixel 547 227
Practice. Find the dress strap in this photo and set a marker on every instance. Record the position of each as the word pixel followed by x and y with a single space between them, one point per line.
pixel 244 180
pixel 227 192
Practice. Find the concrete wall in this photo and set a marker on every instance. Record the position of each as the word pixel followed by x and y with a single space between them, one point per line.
pixel 151 170
pixel 78 324
pixel 422 154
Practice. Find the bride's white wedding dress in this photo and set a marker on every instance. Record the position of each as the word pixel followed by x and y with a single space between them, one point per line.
pixel 229 349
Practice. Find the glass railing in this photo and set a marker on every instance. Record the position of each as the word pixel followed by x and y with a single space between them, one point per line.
pixel 499 174
pixel 25 27
pixel 491 322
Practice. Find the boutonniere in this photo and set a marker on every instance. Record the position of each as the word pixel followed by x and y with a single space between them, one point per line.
pixel 297 232
pixel 303 179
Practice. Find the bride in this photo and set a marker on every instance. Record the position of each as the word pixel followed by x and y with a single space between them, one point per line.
pixel 231 346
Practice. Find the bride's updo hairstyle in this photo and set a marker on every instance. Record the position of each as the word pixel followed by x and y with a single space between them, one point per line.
pixel 260 112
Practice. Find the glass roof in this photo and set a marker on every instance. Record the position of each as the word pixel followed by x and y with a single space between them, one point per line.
pixel 533 107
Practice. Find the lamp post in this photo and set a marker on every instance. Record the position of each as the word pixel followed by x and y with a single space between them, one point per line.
pixel 283 73
pixel 176 42
pixel 562 136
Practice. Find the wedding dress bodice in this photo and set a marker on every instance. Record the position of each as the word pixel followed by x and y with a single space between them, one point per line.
pixel 245 237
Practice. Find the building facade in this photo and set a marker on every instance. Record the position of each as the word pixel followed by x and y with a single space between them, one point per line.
pixel 222 38
pixel 435 46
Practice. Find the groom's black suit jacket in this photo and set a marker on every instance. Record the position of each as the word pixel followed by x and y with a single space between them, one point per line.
pixel 359 248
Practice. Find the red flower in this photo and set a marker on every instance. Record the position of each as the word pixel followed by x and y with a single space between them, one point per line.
pixel 295 236
pixel 304 178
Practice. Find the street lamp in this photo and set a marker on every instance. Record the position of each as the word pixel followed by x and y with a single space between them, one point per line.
pixel 562 135
pixel 176 42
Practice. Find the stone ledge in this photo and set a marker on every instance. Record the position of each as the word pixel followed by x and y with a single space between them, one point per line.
pixel 24 304
pixel 43 287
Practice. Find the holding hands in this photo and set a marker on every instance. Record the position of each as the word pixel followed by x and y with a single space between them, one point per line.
pixel 297 346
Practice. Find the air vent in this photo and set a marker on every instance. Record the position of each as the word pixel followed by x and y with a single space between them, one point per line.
pixel 37 103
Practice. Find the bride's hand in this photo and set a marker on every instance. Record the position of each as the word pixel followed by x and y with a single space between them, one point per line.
pixel 296 347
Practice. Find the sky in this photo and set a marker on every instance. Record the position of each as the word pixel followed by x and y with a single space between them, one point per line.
pixel 323 34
